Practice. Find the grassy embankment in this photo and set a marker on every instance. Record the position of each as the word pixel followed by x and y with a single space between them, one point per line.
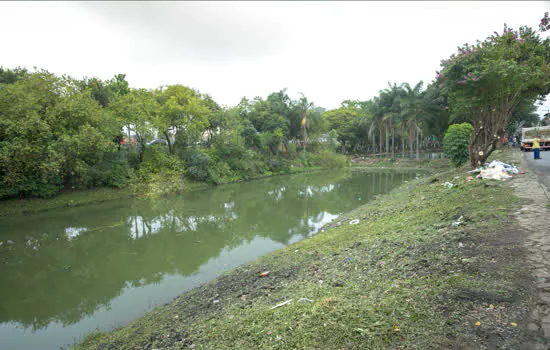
pixel 403 277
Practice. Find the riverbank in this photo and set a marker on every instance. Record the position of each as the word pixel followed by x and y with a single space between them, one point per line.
pixel 422 267
pixel 71 199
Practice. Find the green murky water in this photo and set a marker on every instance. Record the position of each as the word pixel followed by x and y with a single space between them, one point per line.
pixel 67 272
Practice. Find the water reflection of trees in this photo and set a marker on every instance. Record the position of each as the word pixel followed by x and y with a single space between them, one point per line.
pixel 80 260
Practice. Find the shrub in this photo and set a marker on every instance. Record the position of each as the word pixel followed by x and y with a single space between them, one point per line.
pixel 315 147
pixel 221 172
pixel 157 184
pixel 157 160
pixel 327 159
pixel 278 164
pixel 332 141
pixel 197 165
pixel 291 150
pixel 112 171
pixel 159 174
pixel 455 143
pixel 31 187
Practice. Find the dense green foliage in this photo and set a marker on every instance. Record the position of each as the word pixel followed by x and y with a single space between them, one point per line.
pixel 455 143
pixel 52 136
pixel 60 133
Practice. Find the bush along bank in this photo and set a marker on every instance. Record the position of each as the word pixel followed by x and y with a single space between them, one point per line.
pixel 423 267
pixel 159 177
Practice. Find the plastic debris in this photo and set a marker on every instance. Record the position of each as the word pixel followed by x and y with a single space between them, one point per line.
pixel 264 274
pixel 512 169
pixel 498 170
pixel 458 222
pixel 354 222
pixel 305 299
pixel 282 304
pixel 448 185
pixel 478 170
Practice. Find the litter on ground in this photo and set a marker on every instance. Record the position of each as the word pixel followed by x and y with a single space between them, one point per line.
pixel 281 304
pixel 496 170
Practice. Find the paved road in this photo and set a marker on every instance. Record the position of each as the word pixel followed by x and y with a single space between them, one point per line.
pixel 540 166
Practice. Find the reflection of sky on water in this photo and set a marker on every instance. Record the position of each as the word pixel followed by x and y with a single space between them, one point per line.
pixel 314 224
pixel 73 232
pixel 141 227
pixel 277 194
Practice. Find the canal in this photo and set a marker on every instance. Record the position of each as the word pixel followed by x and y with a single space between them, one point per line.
pixel 67 272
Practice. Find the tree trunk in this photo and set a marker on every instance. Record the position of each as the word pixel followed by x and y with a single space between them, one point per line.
pixel 169 143
pixel 380 141
pixel 142 146
pixel 387 138
pixel 373 144
pixel 411 138
pixel 417 144
pixel 392 141
pixel 403 140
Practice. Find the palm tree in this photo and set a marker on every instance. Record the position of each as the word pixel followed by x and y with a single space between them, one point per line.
pixel 304 106
pixel 413 108
pixel 390 102
pixel 377 121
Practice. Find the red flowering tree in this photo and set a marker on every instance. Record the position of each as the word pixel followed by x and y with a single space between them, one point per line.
pixel 487 81
pixel 544 23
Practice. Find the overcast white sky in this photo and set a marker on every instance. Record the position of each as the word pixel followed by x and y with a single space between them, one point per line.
pixel 330 51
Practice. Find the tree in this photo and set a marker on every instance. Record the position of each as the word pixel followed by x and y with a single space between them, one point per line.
pixel 436 114
pixel 544 24
pixel 51 135
pixel 137 110
pixel 367 122
pixel 182 113
pixel 215 116
pixel 304 107
pixel 387 111
pixel 10 76
pixel 486 82
pixel 522 117
pixel 105 92
pixel 413 112
pixel 345 120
